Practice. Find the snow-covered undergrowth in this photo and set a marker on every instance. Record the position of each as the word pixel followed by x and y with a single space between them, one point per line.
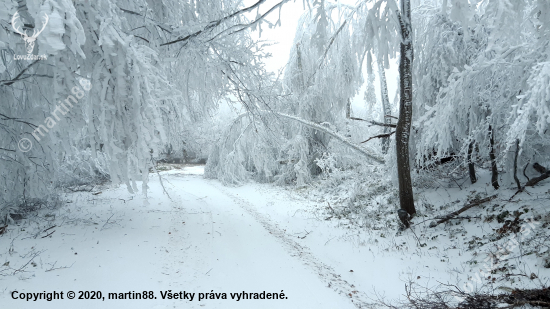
pixel 78 172
pixel 494 247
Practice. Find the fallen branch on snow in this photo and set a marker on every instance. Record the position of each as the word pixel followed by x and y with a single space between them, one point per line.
pixel 460 218
pixel 63 267
pixel 532 182
pixel 461 210
pixel 544 174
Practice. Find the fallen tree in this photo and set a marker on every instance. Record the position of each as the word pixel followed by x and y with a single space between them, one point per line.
pixel 319 127
pixel 544 175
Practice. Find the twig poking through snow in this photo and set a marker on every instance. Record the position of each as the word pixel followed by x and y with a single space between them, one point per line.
pixel 107 221
pixel 59 267
pixel 330 207
pixel 49 234
pixel 21 269
pixel 307 233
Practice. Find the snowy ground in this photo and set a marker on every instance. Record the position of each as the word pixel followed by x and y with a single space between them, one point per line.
pixel 207 238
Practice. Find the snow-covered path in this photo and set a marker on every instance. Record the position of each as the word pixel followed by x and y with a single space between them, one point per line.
pixel 202 239
pixel 222 244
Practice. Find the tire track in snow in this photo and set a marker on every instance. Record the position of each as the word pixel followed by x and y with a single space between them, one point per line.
pixel 326 273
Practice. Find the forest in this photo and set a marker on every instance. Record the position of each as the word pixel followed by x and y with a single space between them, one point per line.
pixel 398 158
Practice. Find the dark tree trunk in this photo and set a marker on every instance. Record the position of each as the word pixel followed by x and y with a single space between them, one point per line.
pixel 494 171
pixel 403 129
pixel 516 166
pixel 539 168
pixel 385 105
pixel 544 175
pixel 471 166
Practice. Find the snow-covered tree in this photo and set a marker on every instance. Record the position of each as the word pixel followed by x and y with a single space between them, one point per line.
pixel 122 80
pixel 476 75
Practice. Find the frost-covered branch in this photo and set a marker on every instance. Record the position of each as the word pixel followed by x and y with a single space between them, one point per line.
pixel 339 137
pixel 242 27
pixel 376 123
pixel 215 23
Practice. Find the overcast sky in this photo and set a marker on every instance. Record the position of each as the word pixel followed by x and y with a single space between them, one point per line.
pixel 282 35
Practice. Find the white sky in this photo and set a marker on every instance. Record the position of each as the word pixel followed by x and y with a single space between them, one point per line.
pixel 283 35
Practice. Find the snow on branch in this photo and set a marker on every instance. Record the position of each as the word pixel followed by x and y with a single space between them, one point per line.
pixel 339 137
pixel 390 125
pixel 218 22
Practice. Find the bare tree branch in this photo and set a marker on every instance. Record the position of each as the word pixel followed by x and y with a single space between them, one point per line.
pixel 4 117
pixel 18 77
pixel 218 22
pixel 379 136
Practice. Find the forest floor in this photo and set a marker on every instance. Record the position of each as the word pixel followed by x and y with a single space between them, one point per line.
pixel 208 239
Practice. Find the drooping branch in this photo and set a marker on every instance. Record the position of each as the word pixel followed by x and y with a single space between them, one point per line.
pixel 318 127
pixel 331 42
pixel 339 137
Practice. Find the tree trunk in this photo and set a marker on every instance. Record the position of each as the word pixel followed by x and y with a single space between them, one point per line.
pixel 539 168
pixel 494 170
pixel 385 105
pixel 544 175
pixel 348 118
pixel 403 129
pixel 471 167
pixel 516 166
